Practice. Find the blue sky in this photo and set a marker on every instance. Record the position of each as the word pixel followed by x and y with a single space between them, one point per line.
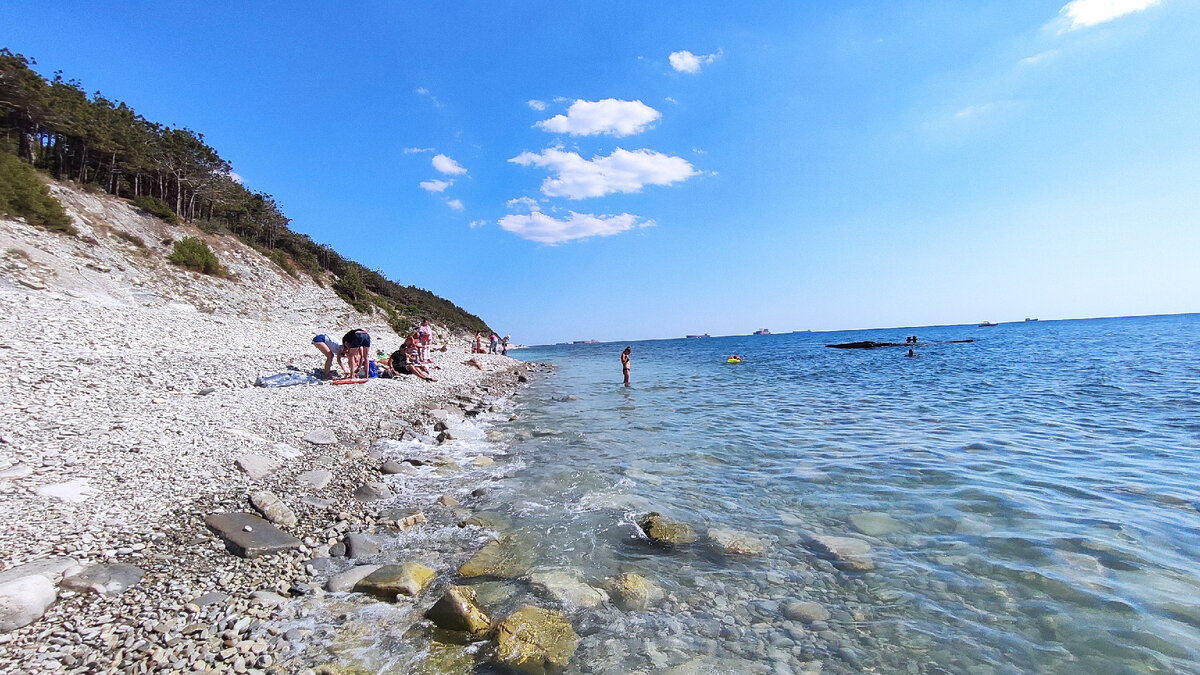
pixel 635 170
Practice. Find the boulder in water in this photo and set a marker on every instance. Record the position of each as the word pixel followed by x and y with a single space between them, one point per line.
pixel 848 553
pixel 390 581
pixel 737 543
pixel 535 640
pixel 633 592
pixel 458 610
pixel 875 523
pixel 664 531
pixel 568 589
pixel 507 557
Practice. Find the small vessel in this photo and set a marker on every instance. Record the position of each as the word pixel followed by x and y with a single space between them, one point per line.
pixel 1029 320
pixel 699 336
pixel 734 359
pixel 987 324
pixel 762 331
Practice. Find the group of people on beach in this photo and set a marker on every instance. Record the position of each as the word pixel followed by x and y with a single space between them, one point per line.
pixel 496 344
pixel 354 357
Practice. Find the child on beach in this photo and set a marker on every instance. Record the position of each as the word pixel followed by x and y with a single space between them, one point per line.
pixel 330 349
pixel 425 337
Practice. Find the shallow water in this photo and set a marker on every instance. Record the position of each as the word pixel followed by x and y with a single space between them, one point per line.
pixel 1030 498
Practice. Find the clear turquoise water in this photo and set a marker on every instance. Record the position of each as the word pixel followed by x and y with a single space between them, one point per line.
pixel 1041 484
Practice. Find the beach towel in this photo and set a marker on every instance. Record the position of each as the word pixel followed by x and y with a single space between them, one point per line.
pixel 285 380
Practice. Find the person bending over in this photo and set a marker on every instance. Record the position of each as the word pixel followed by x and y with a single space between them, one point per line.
pixel 331 349
pixel 357 345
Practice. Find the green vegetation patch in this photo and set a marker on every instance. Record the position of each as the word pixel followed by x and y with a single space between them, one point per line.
pixel 24 195
pixel 156 207
pixel 194 254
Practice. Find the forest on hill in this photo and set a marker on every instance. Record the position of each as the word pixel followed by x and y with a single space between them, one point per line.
pixel 101 144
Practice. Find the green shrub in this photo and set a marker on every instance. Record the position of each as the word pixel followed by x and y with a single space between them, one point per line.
pixel 285 263
pixel 156 207
pixel 24 195
pixel 211 226
pixel 194 254
pixel 131 238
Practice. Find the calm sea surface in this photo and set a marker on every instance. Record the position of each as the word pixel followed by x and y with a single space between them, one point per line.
pixel 1030 499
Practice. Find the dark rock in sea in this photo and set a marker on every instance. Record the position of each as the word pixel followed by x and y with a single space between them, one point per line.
pixel 507 557
pixel 392 467
pixel 457 610
pixel 389 581
pixel 359 545
pixel 633 592
pixel 805 611
pixel 249 536
pixel 535 640
pixel 664 531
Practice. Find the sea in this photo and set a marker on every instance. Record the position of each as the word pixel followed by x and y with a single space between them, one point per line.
pixel 1029 499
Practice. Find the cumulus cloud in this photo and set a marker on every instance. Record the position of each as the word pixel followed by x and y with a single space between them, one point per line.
pixel 476 223
pixel 436 185
pixel 1086 13
pixel 622 171
pixel 537 105
pixel 527 203
pixel 687 62
pixel 609 116
pixel 455 204
pixel 447 166
pixel 546 229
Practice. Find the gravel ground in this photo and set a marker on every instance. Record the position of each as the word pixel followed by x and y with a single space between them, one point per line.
pixel 129 400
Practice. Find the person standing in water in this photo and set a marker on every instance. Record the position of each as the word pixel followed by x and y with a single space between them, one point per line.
pixel 625 364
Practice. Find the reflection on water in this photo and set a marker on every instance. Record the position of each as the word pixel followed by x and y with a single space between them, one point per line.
pixel 1029 500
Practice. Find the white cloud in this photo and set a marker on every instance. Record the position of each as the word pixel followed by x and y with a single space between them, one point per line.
pixel 476 223
pixel 455 204
pixel 527 203
pixel 537 105
pixel 545 229
pixel 413 151
pixel 447 166
pixel 236 177
pixel 687 62
pixel 1086 13
pixel 609 116
pixel 622 171
pixel 435 185
pixel 1037 58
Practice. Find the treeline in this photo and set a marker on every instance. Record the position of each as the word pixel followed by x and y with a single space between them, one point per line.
pixel 171 172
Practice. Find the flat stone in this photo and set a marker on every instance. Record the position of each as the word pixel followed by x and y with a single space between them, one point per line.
pixel 24 600
pixel 359 545
pixel 74 491
pixel 805 611
pixel 249 536
pixel 390 581
pixel 286 451
pixel 210 598
pixel 273 508
pixel 267 598
pixel 848 553
pixel 371 491
pixel 256 466
pixel 321 437
pixel 566 588
pixel 112 579
pixel 875 524
pixel 52 568
pixel 346 580
pixel 507 557
pixel 316 479
pixel 734 542
pixel 392 467
pixel 16 471
pixel 317 502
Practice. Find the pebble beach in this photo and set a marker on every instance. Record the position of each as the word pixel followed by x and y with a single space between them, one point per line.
pixel 133 424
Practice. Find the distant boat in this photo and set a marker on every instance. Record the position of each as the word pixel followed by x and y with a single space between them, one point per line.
pixel 762 331
pixel 1029 320
pixel 988 324
pixel 700 336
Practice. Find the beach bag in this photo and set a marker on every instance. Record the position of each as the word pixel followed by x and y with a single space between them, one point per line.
pixel 372 369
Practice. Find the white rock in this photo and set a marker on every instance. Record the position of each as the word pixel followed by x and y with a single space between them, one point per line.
pixel 74 491
pixel 24 601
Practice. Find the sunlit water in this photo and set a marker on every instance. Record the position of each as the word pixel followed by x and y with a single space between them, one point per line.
pixel 1039 487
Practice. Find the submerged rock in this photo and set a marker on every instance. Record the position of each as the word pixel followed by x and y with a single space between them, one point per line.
pixel 568 589
pixel 535 640
pixel 847 552
pixel 875 523
pixel 488 520
pixel 507 557
pixel 633 592
pixel 458 610
pixel 662 530
pixel 805 611
pixel 389 581
pixel 737 543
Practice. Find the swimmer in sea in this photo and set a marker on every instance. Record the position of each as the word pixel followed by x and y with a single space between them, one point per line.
pixel 625 364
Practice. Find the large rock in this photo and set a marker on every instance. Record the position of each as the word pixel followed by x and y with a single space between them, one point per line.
pixel 371 491
pixel 316 479
pixel 273 508
pixel 249 536
pixel 458 610
pixel 256 466
pixel 24 600
pixel 664 531
pixel 52 568
pixel 805 611
pixel 633 592
pixel 568 589
pixel 488 520
pixel 321 437
pixel 737 543
pixel 348 579
pixel 875 523
pixel 847 552
pixel 392 467
pixel 507 557
pixel 535 640
pixel 389 581
pixel 105 579
pixel 359 545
